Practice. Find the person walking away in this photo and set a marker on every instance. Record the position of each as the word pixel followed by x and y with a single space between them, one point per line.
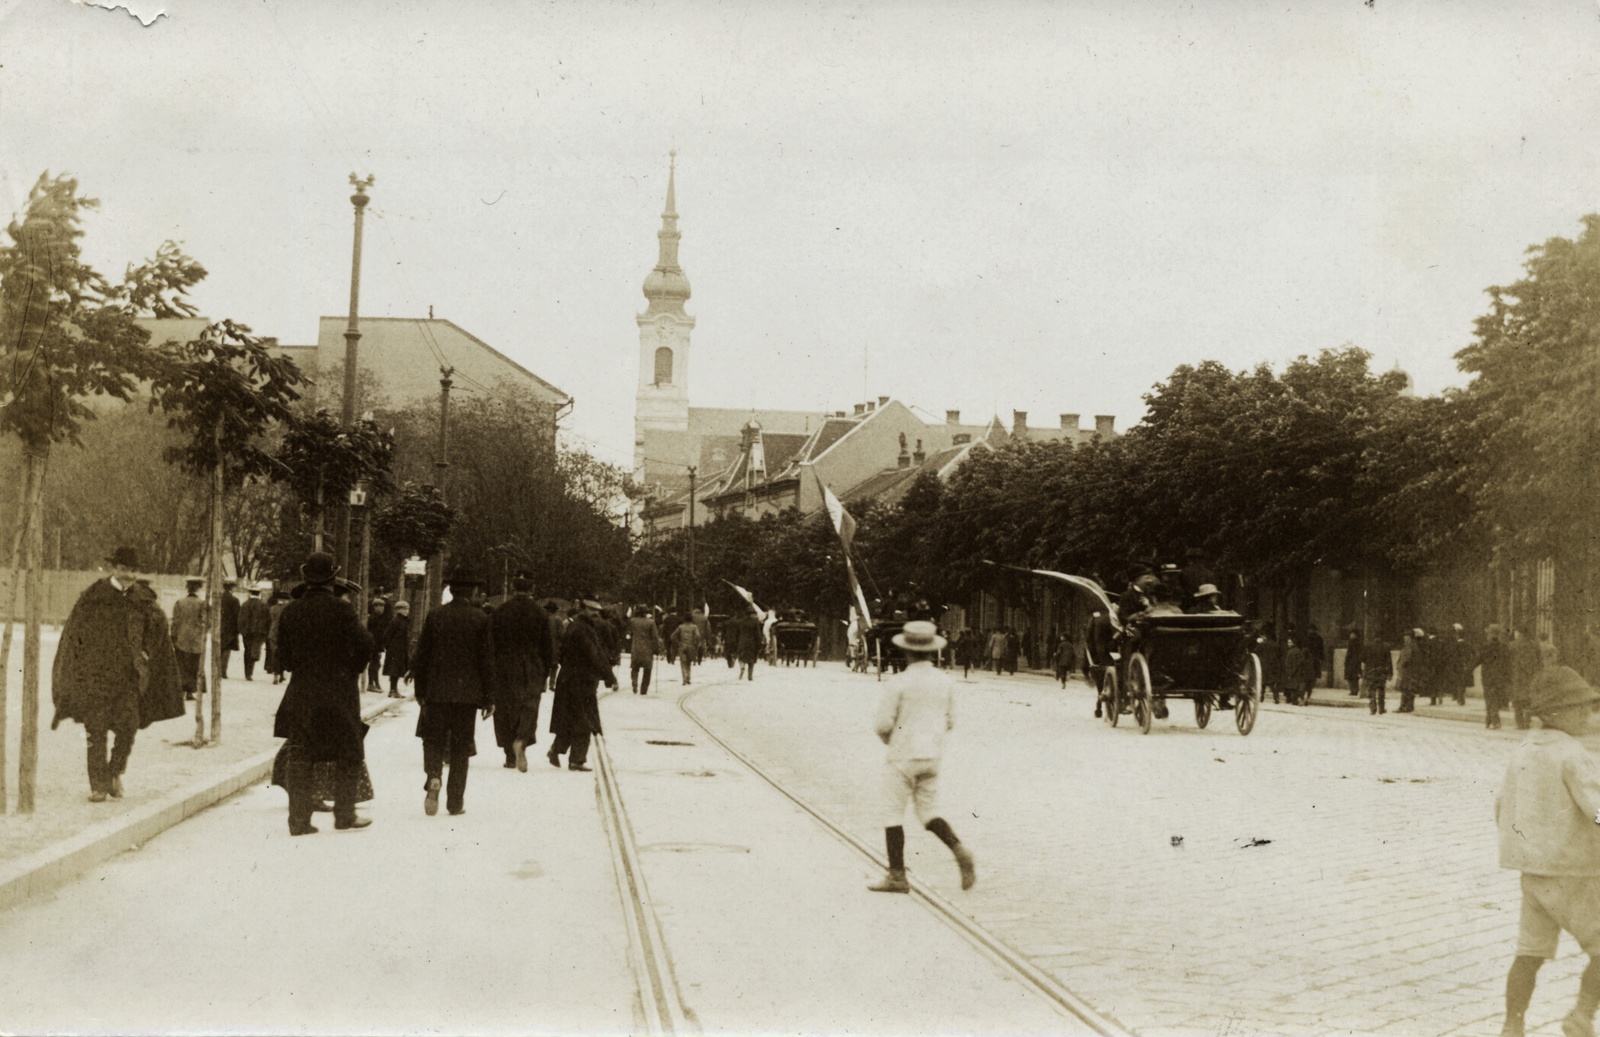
pixel 1065 655
pixel 114 671
pixel 1524 666
pixel 454 675
pixel 1298 673
pixel 1013 651
pixel 1352 661
pixel 275 609
pixel 747 644
pixel 324 648
pixel 1546 811
pixel 1376 668
pixel 685 641
pixel 189 626
pixel 228 634
pixel 378 620
pixel 585 664
pixel 1408 671
pixel 997 650
pixel 668 623
pixel 397 647
pixel 255 620
pixel 1496 662
pixel 520 630
pixel 703 621
pixel 914 717
pixel 644 641
pixel 1462 661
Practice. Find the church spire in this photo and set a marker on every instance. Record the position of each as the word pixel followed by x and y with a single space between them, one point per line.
pixel 666 287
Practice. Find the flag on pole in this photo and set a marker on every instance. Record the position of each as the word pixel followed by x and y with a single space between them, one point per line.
pixel 748 597
pixel 843 522
pixel 855 586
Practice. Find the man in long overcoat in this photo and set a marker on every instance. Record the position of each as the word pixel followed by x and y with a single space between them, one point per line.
pixel 323 647
pixel 747 644
pixel 585 663
pixel 454 675
pixel 229 624
pixel 522 659
pixel 114 670
pixel 644 644
pixel 255 621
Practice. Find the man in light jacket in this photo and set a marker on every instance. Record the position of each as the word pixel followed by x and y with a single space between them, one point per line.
pixel 914 717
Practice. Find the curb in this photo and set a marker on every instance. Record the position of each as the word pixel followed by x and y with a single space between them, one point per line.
pixel 54 866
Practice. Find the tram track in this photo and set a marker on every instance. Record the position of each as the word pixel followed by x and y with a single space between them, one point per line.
pixel 997 950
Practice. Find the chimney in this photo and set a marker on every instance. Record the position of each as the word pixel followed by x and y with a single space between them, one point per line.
pixel 1105 425
pixel 952 417
pixel 1019 423
pixel 919 455
pixel 871 406
pixel 882 400
pixel 1069 422
pixel 961 439
pixel 838 414
pixel 861 409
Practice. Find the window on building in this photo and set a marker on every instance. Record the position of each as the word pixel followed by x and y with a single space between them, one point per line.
pixel 664 366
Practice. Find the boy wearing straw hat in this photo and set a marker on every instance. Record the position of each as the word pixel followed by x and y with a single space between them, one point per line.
pixel 914 717
pixel 1548 813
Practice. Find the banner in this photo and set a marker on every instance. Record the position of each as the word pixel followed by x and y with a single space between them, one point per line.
pixel 748 597
pixel 843 522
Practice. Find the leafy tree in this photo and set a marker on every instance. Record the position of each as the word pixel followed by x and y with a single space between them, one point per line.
pixel 65 334
pixel 223 390
pixel 324 461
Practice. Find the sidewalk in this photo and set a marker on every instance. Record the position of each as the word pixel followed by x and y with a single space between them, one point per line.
pixel 167 778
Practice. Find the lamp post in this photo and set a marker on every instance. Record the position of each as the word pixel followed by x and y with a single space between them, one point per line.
pixel 352 338
pixel 692 583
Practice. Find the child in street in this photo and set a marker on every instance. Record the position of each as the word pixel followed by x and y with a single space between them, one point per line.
pixel 913 718
pixel 1548 813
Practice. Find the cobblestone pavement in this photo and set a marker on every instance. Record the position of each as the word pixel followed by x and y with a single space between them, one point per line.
pixel 1337 873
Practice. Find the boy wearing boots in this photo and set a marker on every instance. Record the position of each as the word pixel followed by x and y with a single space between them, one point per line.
pixel 1548 813
pixel 913 719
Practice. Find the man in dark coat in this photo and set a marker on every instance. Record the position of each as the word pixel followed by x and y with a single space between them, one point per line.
pixel 1352 661
pixel 255 620
pixel 378 619
pixel 644 644
pixel 454 674
pixel 1377 666
pixel 114 670
pixel 522 659
pixel 229 629
pixel 323 648
pixel 747 644
pixel 585 663
pixel 1497 675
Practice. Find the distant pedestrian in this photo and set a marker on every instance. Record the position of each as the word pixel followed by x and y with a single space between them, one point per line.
pixel 585 665
pixel 1497 675
pixel 454 675
pixel 190 622
pixel 255 621
pixel 1462 662
pixel 323 647
pixel 1377 666
pixel 1270 652
pixel 1546 811
pixel 914 717
pixel 522 657
pixel 275 609
pixel 644 644
pixel 997 650
pixel 1065 655
pixel 1352 661
pixel 378 619
pixel 747 643
pixel 1013 651
pixel 1299 673
pixel 114 670
pixel 1524 667
pixel 1317 649
pixel 703 621
pixel 1408 670
pixel 685 641
pixel 397 647
pixel 228 632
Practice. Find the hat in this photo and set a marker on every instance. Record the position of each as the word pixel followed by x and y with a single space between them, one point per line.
pixel 124 558
pixel 1557 687
pixel 319 567
pixel 230 582
pixel 1147 580
pixel 463 576
pixel 402 605
pixel 919 636
pixel 1205 589
pixel 194 581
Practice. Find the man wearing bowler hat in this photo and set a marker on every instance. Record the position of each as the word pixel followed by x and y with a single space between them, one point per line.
pixel 323 648
pixel 522 658
pixel 913 719
pixel 454 674
pixel 114 670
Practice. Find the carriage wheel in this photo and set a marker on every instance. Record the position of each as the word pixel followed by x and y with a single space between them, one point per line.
pixel 1139 690
pixel 1202 710
pixel 1244 713
pixel 1110 701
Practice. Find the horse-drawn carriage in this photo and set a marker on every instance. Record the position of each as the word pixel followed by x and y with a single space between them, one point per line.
pixel 1204 657
pixel 796 640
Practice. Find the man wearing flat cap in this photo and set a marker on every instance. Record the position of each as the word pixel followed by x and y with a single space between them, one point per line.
pixel 520 630
pixel 454 675
pixel 323 648
pixel 114 670
pixel 585 663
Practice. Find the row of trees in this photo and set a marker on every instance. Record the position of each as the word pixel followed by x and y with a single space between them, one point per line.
pixel 1326 463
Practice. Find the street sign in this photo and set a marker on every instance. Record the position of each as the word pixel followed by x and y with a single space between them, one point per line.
pixel 416 566
pixel 358 497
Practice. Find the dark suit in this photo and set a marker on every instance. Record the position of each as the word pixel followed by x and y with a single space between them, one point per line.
pixel 585 662
pixel 522 659
pixel 322 646
pixel 255 621
pixel 454 675
pixel 229 633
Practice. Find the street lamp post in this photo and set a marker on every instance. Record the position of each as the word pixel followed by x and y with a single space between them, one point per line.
pixel 691 533
pixel 352 338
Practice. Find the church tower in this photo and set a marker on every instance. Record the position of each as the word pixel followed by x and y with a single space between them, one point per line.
pixel 662 399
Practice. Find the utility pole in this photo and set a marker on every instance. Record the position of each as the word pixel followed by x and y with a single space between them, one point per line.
pixel 692 582
pixel 352 338
pixel 441 464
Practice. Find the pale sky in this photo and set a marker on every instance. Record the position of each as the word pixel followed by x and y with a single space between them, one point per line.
pixel 985 206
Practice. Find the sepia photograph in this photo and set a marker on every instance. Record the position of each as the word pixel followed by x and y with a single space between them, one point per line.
pixel 1096 503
